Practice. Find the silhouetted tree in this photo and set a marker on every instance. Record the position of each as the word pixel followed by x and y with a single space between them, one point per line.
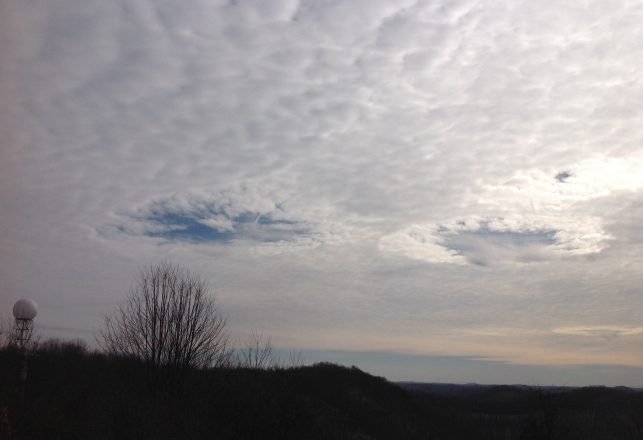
pixel 257 353
pixel 168 320
pixel 296 359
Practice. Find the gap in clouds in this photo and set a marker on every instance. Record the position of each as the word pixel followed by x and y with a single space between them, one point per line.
pixel 484 246
pixel 481 241
pixel 214 219
pixel 216 226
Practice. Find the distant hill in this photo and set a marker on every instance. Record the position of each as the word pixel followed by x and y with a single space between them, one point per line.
pixel 469 389
pixel 534 412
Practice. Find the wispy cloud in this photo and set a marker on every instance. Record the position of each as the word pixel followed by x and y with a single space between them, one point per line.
pixel 600 331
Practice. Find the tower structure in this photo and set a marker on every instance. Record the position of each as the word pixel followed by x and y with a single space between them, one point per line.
pixel 24 312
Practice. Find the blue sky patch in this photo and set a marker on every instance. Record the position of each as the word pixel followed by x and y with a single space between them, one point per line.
pixel 464 241
pixel 214 224
pixel 187 228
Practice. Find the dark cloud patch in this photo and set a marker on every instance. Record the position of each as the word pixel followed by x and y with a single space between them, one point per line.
pixel 563 176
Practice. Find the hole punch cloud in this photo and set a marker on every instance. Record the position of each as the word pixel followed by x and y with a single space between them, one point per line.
pixel 485 241
pixel 215 219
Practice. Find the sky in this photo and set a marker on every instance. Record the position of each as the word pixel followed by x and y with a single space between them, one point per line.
pixel 432 190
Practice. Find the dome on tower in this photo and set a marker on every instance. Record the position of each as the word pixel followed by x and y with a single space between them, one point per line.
pixel 25 309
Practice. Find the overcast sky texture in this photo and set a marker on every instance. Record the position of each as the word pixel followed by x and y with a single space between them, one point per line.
pixel 439 190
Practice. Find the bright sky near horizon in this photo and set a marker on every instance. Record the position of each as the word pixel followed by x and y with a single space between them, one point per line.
pixel 378 181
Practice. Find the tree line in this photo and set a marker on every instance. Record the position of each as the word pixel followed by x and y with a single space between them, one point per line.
pixel 167 369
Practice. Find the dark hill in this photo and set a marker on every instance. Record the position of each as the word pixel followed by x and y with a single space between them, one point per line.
pixel 74 394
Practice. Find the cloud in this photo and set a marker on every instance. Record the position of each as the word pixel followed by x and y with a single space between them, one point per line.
pixel 563 176
pixel 218 217
pixel 600 331
pixel 423 167
pixel 527 217
pixel 485 241
pixel 421 243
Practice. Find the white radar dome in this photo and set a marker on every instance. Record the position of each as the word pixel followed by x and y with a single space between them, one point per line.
pixel 26 309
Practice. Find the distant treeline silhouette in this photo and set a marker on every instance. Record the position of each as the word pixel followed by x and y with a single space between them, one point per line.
pixel 167 370
pixel 74 393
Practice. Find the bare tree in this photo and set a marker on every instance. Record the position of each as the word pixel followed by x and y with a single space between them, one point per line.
pixel 168 320
pixel 257 353
pixel 296 359
pixel 4 334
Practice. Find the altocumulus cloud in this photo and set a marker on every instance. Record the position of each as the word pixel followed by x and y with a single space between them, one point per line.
pixel 438 169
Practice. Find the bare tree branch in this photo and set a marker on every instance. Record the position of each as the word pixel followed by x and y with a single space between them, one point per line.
pixel 168 320
pixel 296 359
pixel 257 353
